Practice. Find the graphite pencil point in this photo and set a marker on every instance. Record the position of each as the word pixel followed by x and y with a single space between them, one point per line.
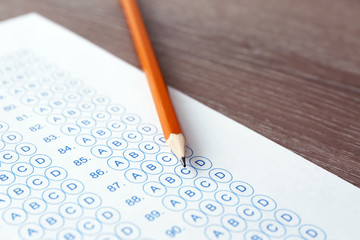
pixel 183 161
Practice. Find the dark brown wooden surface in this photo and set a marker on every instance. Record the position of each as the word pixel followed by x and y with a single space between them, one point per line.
pixel 288 69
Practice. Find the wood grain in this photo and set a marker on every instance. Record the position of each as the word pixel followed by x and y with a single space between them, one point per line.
pixel 290 70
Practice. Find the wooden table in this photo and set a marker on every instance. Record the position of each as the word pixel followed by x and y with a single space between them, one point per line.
pixel 288 69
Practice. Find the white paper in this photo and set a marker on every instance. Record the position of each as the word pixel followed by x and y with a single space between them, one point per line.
pixel 53 187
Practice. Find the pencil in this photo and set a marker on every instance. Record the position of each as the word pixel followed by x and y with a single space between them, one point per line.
pixel 165 110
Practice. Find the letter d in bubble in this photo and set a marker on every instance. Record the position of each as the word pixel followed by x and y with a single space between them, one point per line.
pixel 89 200
pixel 72 186
pixel 127 231
pixel 11 137
pixel 25 149
pixel 200 162
pixel 55 173
pixel 40 160
pixel 108 215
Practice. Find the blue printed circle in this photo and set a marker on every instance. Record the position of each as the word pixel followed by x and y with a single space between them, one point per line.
pixel 71 210
pixel 11 137
pixel 18 191
pixel 44 94
pixel 116 125
pixel 85 140
pixel 233 223
pixel 287 217
pixel 195 218
pixel 134 155
pixel 85 122
pixel 118 163
pixel 132 136
pixel 71 112
pixel 107 215
pixel 263 202
pixel 70 129
pixel 170 180
pixel 249 212
pixel 101 132
pixel 220 175
pixel 89 200
pixel 174 203
pixel 190 193
pixel 22 169
pixel 57 103
pixel 72 186
pixel 149 147
pixel 56 119
pixel 309 231
pixel 117 143
pixel 226 198
pixel 135 175
pixel 200 163
pixel 82 226
pixel 211 208
pixel 241 188
pixel 86 106
pixel 272 228
pixel 205 184
pixel 101 151
pixel 6 178
pixel 147 129
pixel 42 109
pixel 34 205
pixel 59 88
pixel 72 97
pixel 73 83
pixel 152 167
pixel 40 161
pixel 25 149
pixel 31 231
pixel 53 196
pixel 100 115
pixel 14 216
pixel 37 182
pixel 87 91
pixel 60 74
pixel 56 173
pixel 56 221
pixel 154 189
pixel 29 100
pixel 187 172
pixel 8 156
pixel 32 86
pixel 115 109
pixel 214 231
pixel 101 100
pixel 130 118
pixel 13 91
pixel 167 159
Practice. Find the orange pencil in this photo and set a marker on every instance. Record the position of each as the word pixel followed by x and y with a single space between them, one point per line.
pixel 169 123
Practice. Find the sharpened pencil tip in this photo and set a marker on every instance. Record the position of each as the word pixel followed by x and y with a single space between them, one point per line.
pixel 183 161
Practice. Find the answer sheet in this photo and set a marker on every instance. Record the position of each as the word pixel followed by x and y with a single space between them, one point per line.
pixel 82 156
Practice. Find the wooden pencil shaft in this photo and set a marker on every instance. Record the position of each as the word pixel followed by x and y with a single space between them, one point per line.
pixel 151 68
